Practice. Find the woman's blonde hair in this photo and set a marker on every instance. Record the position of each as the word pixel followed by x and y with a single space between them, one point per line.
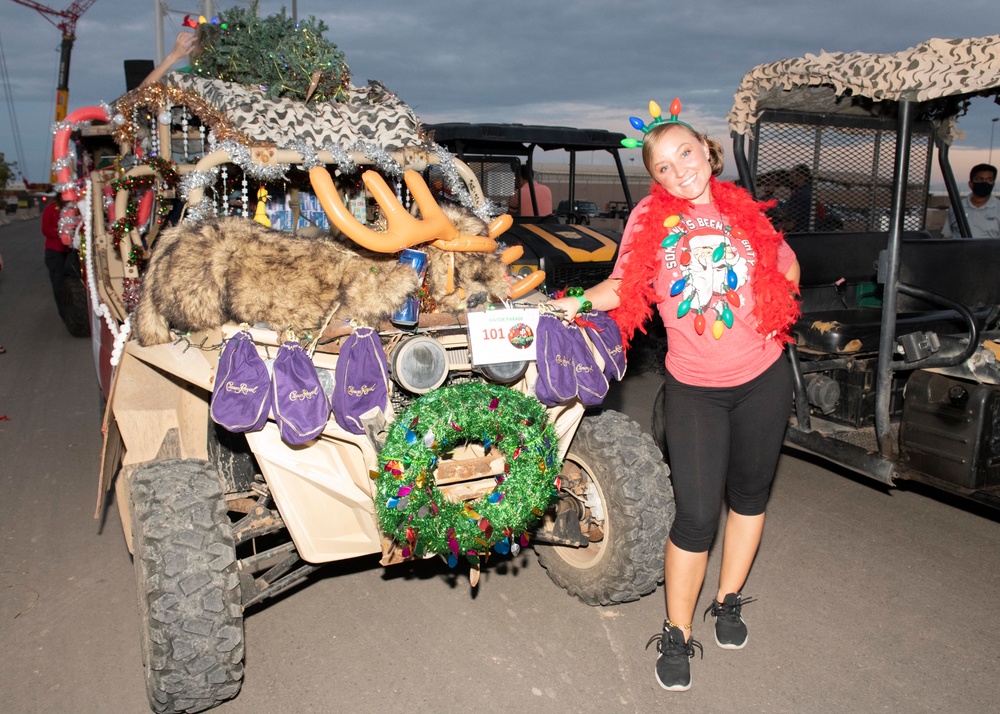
pixel 716 156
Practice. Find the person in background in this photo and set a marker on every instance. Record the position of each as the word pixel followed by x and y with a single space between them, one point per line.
pixel 521 204
pixel 725 284
pixel 56 252
pixel 798 208
pixel 981 207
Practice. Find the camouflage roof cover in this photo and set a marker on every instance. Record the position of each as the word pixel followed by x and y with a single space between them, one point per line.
pixel 931 70
pixel 370 114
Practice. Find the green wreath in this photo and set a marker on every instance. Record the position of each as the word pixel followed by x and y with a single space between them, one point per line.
pixel 413 510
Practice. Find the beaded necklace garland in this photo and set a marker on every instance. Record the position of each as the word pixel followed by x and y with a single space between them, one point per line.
pixel 775 297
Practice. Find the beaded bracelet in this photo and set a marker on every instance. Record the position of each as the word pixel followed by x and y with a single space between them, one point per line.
pixel 585 305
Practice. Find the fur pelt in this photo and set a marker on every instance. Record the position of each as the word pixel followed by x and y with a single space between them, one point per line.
pixel 476 277
pixel 202 275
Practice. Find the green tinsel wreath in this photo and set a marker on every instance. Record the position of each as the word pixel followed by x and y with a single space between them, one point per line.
pixel 412 509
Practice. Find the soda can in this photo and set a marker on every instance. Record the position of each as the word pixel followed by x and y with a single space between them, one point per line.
pixel 409 313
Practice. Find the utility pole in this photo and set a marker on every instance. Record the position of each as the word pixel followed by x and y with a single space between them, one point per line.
pixel 158 23
pixel 993 125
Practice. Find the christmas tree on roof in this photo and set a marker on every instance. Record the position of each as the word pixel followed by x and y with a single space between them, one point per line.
pixel 283 57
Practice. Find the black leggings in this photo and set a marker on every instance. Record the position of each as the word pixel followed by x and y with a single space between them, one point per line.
pixel 724 441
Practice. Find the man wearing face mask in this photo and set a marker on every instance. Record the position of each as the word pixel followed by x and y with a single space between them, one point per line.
pixel 981 206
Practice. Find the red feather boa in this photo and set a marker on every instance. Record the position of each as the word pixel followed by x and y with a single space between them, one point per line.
pixel 775 297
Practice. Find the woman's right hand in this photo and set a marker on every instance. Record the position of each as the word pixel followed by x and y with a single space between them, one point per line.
pixel 183 45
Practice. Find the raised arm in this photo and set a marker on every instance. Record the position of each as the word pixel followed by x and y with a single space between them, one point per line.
pixel 183 46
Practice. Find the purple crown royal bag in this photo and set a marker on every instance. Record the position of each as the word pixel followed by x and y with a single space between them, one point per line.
pixel 606 337
pixel 361 380
pixel 556 381
pixel 241 397
pixel 592 385
pixel 300 404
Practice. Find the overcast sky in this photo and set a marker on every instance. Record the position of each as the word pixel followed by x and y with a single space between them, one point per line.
pixel 583 64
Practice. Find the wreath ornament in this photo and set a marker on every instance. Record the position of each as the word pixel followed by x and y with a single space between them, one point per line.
pixel 166 174
pixel 413 509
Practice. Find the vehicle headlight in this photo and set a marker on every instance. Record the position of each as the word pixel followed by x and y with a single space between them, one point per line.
pixel 503 372
pixel 419 364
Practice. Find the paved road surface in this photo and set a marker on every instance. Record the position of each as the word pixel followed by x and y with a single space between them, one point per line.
pixel 869 601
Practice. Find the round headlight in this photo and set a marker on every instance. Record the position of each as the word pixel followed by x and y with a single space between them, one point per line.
pixel 419 364
pixel 503 372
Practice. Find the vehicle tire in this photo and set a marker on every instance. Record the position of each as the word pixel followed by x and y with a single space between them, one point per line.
pixel 190 608
pixel 71 297
pixel 74 307
pixel 626 478
pixel 232 458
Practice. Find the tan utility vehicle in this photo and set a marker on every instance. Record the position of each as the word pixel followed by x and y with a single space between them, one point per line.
pixel 219 522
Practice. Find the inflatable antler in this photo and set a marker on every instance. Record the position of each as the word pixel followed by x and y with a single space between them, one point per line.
pixel 403 229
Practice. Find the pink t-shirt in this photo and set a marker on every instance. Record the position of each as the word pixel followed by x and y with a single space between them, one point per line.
pixel 715 268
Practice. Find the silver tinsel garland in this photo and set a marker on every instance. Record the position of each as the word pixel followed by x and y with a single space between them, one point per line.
pixel 75 126
pixel 240 156
pixel 342 156
pixel 382 159
pixel 69 160
pixel 486 211
pixel 203 180
pixel 66 161
pixel 310 157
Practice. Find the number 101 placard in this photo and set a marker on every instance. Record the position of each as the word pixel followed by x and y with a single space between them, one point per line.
pixel 502 335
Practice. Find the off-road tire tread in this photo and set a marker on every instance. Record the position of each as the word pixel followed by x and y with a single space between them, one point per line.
pixel 190 605
pixel 74 307
pixel 639 501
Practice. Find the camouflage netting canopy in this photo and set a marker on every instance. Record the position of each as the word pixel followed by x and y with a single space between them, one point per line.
pixel 946 70
pixel 368 114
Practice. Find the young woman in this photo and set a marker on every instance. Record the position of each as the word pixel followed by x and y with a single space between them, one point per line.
pixel 725 284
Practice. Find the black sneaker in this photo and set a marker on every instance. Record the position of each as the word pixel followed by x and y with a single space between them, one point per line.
pixel 730 630
pixel 673 666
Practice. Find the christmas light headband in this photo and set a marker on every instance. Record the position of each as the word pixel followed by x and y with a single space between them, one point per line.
pixel 654 111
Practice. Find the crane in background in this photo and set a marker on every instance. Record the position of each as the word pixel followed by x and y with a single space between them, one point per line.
pixel 65 20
